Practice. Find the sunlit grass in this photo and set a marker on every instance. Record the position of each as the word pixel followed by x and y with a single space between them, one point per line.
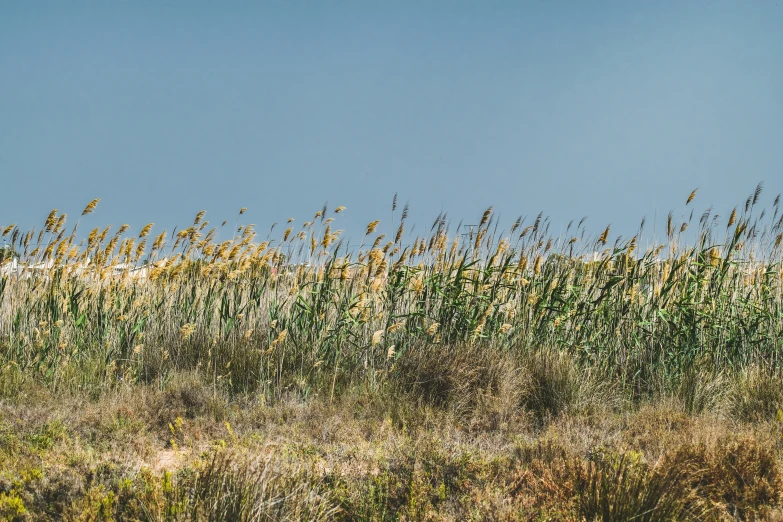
pixel 498 375
pixel 256 316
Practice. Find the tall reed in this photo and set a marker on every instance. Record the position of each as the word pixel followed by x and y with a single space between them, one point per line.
pixel 304 311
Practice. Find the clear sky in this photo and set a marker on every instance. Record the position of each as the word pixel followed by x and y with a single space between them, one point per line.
pixel 610 109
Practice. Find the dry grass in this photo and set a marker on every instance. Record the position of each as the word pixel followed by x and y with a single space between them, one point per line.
pixel 179 453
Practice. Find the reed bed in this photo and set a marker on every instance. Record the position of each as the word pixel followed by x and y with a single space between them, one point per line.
pixel 206 374
pixel 302 308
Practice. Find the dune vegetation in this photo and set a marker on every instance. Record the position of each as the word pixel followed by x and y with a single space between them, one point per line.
pixel 499 374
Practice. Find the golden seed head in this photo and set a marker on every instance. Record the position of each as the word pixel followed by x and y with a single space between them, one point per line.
pixel 90 207
pixel 604 236
pixel 372 226
pixel 146 230
pixel 51 220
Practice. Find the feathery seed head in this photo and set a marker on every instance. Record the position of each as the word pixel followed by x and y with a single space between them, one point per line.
pixel 371 227
pixel 146 230
pixel 485 217
pixel 51 220
pixel 90 208
pixel 604 236
pixel 732 217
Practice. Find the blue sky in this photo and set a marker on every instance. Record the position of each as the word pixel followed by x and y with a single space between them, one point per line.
pixel 614 110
